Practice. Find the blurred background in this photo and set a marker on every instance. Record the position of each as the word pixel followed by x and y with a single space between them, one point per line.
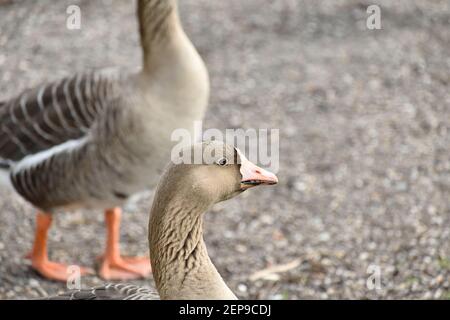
pixel 364 119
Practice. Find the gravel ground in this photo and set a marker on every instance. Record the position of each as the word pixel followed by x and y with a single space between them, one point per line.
pixel 365 137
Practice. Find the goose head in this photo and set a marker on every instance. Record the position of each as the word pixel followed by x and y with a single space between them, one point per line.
pixel 222 172
pixel 210 172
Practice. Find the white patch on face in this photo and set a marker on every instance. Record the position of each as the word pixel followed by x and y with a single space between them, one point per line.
pixel 244 164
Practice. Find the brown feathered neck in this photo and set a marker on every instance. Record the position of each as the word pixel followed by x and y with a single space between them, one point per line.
pixel 181 266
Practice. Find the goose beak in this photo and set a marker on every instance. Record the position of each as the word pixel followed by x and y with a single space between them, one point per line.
pixel 253 175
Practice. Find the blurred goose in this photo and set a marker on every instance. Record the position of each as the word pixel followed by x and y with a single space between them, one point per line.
pixel 94 139
pixel 182 268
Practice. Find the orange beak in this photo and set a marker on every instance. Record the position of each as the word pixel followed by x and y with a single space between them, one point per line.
pixel 252 175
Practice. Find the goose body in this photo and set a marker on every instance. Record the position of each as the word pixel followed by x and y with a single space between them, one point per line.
pixel 66 143
pixel 94 139
pixel 93 162
pixel 181 266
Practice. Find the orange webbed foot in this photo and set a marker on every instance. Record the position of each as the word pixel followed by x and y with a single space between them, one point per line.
pixel 58 271
pixel 125 268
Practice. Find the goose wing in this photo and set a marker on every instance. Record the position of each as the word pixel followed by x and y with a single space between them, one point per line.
pixel 41 118
pixel 109 292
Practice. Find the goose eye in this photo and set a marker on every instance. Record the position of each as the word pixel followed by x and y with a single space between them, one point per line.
pixel 222 162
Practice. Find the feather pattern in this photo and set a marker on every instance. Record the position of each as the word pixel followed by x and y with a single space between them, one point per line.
pixel 52 114
pixel 97 170
pixel 154 23
pixel 109 292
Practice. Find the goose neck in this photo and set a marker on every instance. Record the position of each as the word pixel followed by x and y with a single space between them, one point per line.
pixel 181 266
pixel 159 27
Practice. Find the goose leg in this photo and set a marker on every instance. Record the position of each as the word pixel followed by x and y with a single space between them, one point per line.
pixel 114 266
pixel 39 256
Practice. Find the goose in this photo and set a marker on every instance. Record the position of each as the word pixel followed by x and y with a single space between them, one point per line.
pixel 96 138
pixel 182 269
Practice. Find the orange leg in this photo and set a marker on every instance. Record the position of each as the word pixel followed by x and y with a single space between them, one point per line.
pixel 39 256
pixel 114 266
